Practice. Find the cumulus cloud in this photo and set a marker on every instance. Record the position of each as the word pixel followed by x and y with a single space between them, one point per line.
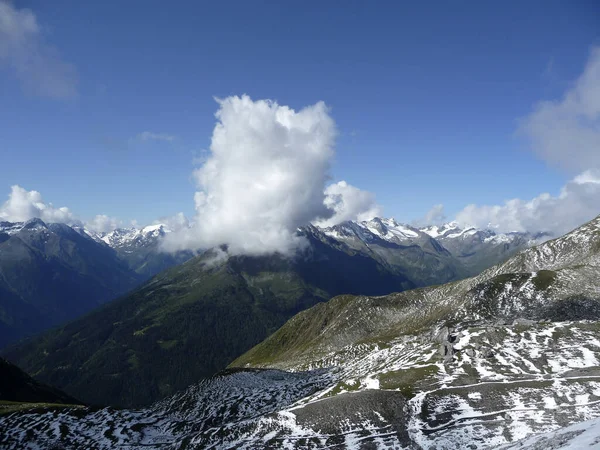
pixel 577 202
pixel 348 203
pixel 264 177
pixel 24 51
pixel 103 223
pixel 566 133
pixel 150 136
pixel 24 205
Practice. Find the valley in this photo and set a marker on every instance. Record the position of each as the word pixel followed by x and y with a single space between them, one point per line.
pixel 478 362
pixel 202 314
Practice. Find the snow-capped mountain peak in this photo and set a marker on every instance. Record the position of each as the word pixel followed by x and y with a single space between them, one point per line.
pixel 388 229
pixel 449 230
pixel 156 228
pixel 376 228
pixel 126 237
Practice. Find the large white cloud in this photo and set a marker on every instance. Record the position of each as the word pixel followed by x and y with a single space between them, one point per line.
pixel 349 203
pixel 24 205
pixel 24 51
pixel 264 177
pixel 566 133
pixel 577 202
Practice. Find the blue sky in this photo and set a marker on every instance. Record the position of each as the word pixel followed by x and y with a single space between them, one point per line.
pixel 426 96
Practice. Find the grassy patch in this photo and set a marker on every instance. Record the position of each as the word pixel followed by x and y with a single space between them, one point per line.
pixel 544 279
pixel 406 380
pixel 167 345
pixel 143 330
pixel 133 361
pixel 342 386
pixel 7 407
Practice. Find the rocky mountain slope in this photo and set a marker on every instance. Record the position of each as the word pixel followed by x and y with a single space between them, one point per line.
pixel 475 363
pixel 431 255
pixel 582 435
pixel 49 274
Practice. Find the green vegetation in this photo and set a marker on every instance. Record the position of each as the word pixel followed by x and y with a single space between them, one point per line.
pixel 342 386
pixel 346 320
pixel 7 407
pixel 167 345
pixel 407 380
pixel 297 336
pixel 543 279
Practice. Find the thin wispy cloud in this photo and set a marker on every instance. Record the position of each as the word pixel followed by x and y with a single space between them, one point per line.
pixel 102 223
pixel 25 51
pixel 150 136
pixel 566 132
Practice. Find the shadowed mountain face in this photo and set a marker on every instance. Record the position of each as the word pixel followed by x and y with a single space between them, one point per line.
pixel 474 363
pixel 50 274
pixel 17 386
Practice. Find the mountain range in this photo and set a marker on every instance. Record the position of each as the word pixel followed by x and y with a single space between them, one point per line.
pixel 473 363
pixel 202 314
